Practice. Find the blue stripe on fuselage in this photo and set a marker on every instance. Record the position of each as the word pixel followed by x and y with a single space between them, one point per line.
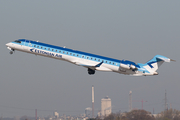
pixel 97 57
pixel 70 50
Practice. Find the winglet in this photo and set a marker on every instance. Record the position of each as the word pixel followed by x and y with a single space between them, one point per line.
pixel 98 65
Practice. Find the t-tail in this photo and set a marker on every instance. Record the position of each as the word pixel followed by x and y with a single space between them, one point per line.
pixel 152 65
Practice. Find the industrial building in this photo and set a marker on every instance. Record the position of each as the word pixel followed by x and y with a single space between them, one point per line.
pixel 106 106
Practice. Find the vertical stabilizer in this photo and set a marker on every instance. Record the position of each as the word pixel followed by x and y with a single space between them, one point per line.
pixel 155 63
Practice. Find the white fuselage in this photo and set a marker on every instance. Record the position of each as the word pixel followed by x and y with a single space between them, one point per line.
pixel 90 61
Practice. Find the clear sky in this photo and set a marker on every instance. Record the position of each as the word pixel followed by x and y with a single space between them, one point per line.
pixel 134 30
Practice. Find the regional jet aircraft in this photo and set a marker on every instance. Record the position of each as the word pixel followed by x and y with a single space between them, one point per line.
pixel 90 61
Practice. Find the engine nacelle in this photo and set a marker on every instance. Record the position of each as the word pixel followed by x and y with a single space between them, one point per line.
pixel 125 66
pixel 132 67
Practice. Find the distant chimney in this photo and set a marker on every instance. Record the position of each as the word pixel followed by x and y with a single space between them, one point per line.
pixel 36 113
pixel 92 101
pixel 130 101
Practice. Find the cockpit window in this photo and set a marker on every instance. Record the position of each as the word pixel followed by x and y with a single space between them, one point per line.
pixel 17 41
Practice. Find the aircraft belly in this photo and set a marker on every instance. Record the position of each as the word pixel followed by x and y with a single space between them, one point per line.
pixel 107 67
pixel 103 69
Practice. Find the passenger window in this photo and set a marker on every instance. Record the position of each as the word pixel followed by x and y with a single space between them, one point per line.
pixel 56 50
pixel 63 51
pixel 73 54
pixel 37 46
pixel 99 60
pixel 41 47
pixel 87 57
pixel 59 51
pixel 34 45
pixel 45 48
pixel 109 62
pixel 77 55
pixel 52 49
pixel 67 52
pixel 48 48
pixel 70 53
pixel 83 56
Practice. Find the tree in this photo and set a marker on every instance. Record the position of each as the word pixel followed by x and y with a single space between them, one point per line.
pixel 139 115
pixel 24 117
pixel 110 117
pixel 171 114
pixel 115 116
pixel 133 115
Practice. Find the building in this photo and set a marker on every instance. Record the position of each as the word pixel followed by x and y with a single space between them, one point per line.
pixel 56 115
pixel 105 106
pixel 88 112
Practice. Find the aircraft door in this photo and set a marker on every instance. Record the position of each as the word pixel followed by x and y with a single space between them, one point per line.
pixel 30 45
pixel 26 45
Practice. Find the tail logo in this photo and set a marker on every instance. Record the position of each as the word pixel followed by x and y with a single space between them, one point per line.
pixel 150 64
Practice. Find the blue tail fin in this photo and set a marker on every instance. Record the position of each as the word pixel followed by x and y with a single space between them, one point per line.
pixel 155 63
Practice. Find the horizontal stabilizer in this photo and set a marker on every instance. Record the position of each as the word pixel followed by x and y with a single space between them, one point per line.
pixel 172 60
pixel 165 59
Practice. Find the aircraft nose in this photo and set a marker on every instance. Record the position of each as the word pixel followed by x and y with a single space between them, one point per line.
pixel 7 44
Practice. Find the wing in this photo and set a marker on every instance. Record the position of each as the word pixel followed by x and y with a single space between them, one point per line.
pixel 91 65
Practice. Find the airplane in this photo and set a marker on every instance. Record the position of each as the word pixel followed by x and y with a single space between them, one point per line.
pixel 90 61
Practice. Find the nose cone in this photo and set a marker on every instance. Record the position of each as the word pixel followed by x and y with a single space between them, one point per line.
pixel 7 44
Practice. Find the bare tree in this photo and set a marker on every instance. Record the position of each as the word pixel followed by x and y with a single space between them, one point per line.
pixel 110 117
pixel 139 115
pixel 171 114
